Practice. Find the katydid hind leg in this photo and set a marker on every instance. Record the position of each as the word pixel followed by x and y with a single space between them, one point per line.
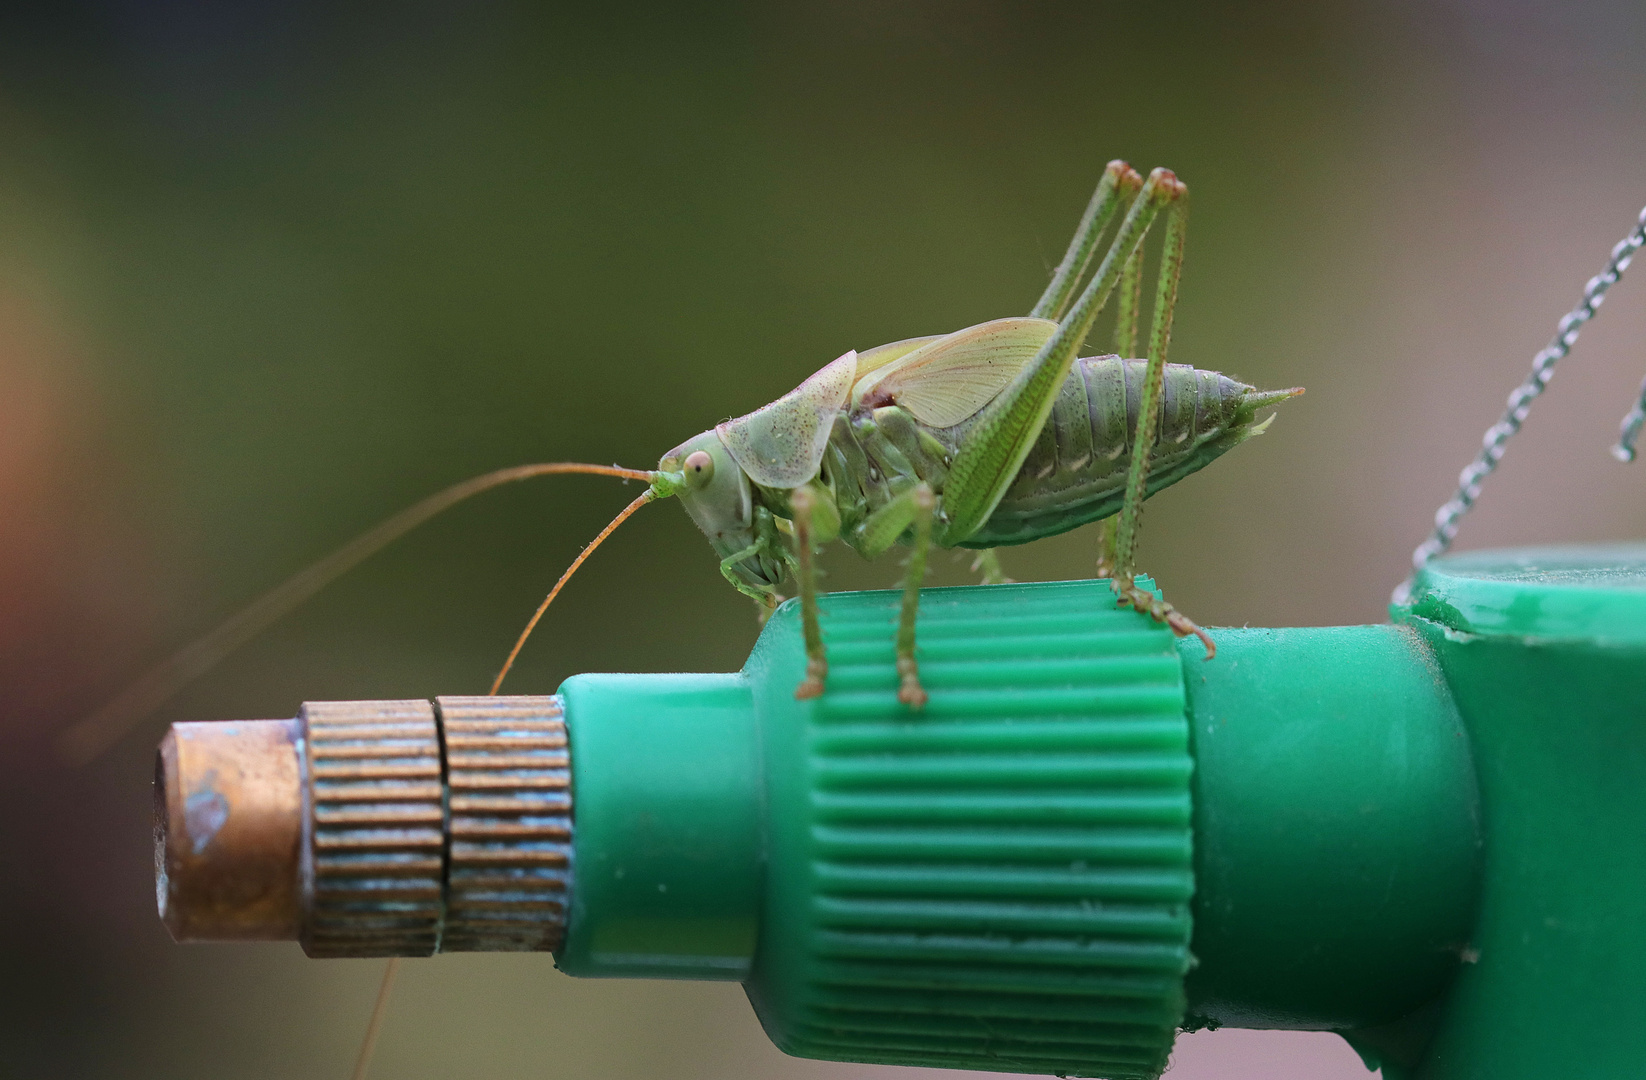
pixel 1148 413
pixel 817 661
pixel 1122 556
pixel 1128 300
pixel 909 690
pixel 1105 547
pixel 1006 430
pixel 1117 187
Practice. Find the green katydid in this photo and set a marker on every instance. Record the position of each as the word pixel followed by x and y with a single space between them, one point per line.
pixel 991 436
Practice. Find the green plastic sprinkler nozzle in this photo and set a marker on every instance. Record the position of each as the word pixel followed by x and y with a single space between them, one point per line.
pixel 1424 836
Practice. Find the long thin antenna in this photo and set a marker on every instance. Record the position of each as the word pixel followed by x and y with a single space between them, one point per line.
pixel 554 592
pixel 102 728
pixel 369 1043
pixel 1520 404
pixel 380 1009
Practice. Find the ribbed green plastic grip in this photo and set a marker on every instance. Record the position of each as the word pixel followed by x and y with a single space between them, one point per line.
pixel 1416 835
pixel 1001 880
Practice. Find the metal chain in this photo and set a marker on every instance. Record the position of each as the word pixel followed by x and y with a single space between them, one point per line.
pixel 1632 423
pixel 1520 404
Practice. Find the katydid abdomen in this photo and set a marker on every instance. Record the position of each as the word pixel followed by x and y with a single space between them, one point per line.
pixel 1076 472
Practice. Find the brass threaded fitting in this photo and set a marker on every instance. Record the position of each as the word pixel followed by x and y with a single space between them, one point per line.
pixel 508 772
pixel 370 828
pixel 376 829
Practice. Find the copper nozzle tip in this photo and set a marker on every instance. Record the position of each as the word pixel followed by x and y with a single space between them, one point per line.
pixel 228 828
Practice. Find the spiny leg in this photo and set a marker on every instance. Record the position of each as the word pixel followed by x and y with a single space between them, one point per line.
pixel 764 606
pixel 1148 414
pixel 1130 298
pixel 910 509
pixel 987 563
pixel 1176 203
pixel 1005 431
pixel 1117 187
pixel 766 599
pixel 817 661
pixel 910 692
pixel 1105 547
pixel 1130 291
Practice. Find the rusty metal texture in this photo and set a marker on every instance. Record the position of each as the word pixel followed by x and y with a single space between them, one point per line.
pixel 370 828
pixel 509 796
pixel 377 836
pixel 228 830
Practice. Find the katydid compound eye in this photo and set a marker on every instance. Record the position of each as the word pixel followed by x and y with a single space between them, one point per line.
pixel 699 468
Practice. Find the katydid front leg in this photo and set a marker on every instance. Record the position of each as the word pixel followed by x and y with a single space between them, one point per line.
pixel 803 502
pixel 766 598
pixel 1174 197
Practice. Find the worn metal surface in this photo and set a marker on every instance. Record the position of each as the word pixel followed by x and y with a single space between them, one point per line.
pixel 228 830
pixel 370 828
pixel 377 866
pixel 509 778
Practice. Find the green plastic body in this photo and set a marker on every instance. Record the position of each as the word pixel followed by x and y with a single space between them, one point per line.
pixel 1336 826
pixel 1421 835
pixel 669 827
pixel 1545 654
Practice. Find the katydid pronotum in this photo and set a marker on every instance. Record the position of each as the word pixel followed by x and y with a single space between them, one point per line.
pixel 987 437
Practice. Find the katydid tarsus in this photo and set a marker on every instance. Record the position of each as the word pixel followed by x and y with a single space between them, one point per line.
pixel 991 436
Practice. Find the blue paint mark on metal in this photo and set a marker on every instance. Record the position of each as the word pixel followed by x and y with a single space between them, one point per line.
pixel 205 812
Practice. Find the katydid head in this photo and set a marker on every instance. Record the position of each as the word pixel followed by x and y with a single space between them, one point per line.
pixel 719 497
pixel 777 446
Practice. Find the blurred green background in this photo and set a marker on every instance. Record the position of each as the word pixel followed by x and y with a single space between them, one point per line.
pixel 269 272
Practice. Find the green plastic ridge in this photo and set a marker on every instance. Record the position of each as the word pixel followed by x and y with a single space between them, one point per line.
pixel 1590 594
pixel 1000 881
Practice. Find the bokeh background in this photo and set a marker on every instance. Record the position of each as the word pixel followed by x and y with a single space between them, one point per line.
pixel 271 271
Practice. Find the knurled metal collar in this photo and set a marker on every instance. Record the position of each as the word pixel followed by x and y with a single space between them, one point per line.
pixel 376 835
pixel 436 827
pixel 508 864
